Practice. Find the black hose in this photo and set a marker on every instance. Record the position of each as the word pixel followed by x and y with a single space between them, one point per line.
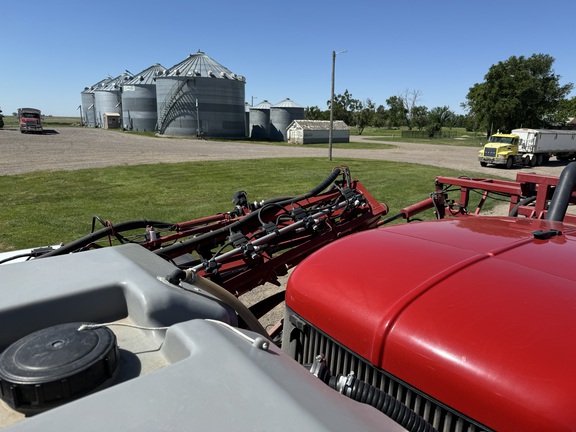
pixel 184 246
pixel 327 182
pixel 522 202
pixel 104 232
pixel 382 401
pixel 562 194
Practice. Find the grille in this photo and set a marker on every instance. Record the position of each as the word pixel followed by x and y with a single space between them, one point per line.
pixel 342 361
pixel 489 152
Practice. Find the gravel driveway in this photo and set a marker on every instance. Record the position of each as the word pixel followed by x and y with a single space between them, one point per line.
pixel 71 148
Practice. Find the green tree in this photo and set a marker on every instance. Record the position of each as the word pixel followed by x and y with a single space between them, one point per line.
pixel 380 117
pixel 410 99
pixel 345 106
pixel 364 116
pixel 441 115
pixel 396 112
pixel 419 117
pixel 315 113
pixel 437 119
pixel 517 92
pixel 566 110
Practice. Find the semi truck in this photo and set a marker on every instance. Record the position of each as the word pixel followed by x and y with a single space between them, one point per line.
pixel 528 147
pixel 30 120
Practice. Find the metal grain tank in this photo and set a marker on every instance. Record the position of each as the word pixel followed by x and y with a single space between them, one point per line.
pixel 200 97
pixel 260 121
pixel 281 115
pixel 108 98
pixel 139 107
pixel 88 104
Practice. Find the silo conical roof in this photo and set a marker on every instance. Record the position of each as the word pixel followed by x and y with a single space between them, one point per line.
pixel 200 65
pixel 97 86
pixel 115 83
pixel 147 76
pixel 263 105
pixel 287 103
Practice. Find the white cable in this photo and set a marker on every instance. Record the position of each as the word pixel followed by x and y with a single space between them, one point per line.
pixel 95 326
pixel 259 341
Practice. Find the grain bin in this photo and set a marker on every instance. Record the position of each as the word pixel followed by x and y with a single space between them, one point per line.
pixel 88 104
pixel 200 97
pixel 260 121
pixel 108 99
pixel 281 115
pixel 139 107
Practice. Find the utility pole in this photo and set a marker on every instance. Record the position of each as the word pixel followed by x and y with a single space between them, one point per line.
pixel 330 131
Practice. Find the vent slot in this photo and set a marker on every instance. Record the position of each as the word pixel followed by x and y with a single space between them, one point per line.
pixel 342 361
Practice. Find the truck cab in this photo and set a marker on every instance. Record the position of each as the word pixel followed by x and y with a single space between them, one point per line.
pixel 30 120
pixel 501 149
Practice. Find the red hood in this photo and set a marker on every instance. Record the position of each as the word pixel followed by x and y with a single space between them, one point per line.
pixel 474 311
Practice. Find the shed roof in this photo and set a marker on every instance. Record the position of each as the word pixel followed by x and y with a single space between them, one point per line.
pixel 200 65
pixel 319 125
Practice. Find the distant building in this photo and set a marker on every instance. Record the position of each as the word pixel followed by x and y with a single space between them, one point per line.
pixel 317 131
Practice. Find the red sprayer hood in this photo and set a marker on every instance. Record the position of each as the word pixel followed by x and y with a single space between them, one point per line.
pixel 474 311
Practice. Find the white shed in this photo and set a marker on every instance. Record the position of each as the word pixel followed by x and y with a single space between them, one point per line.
pixel 316 131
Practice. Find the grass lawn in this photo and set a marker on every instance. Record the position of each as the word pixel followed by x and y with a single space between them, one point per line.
pixel 44 208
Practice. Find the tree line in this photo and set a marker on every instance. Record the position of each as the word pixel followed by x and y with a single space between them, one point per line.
pixel 517 92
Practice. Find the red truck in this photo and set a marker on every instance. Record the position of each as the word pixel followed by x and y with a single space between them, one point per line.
pixel 30 120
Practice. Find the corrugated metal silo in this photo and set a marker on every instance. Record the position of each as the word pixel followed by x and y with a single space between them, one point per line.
pixel 89 103
pixel 281 115
pixel 108 98
pixel 198 96
pixel 260 121
pixel 139 108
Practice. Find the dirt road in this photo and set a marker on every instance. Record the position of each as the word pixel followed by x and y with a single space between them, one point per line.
pixel 76 148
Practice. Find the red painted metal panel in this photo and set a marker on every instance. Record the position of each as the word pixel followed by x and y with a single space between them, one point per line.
pixel 458 308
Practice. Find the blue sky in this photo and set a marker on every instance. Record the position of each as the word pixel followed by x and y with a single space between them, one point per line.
pixel 51 51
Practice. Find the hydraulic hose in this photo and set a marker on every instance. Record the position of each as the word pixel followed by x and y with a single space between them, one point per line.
pixel 562 194
pixel 363 392
pixel 327 182
pixel 522 202
pixel 382 401
pixel 181 247
pixel 104 232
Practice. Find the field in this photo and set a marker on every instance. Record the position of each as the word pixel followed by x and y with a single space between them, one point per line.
pixel 463 138
pixel 47 121
pixel 52 185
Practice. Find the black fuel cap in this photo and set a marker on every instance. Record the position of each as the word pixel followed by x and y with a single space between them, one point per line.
pixel 56 365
